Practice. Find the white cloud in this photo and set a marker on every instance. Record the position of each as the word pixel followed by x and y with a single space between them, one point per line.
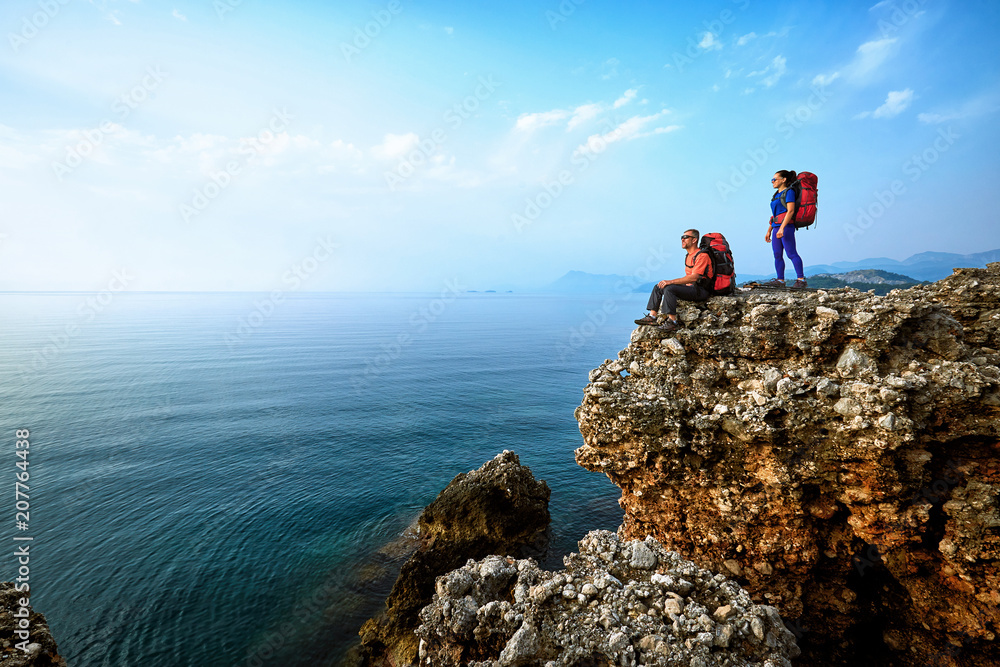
pixel 709 43
pixel 626 97
pixel 177 15
pixel 750 36
pixel 772 73
pixel 979 106
pixel 449 30
pixel 895 103
pixel 582 114
pixel 633 128
pixel 825 79
pixel 870 57
pixel 527 122
pixel 395 146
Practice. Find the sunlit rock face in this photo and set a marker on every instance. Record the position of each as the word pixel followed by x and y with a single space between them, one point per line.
pixel 836 453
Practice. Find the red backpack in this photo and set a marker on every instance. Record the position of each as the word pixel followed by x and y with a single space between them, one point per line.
pixel 721 278
pixel 805 198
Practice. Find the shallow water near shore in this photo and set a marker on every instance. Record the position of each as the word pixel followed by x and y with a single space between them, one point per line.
pixel 210 493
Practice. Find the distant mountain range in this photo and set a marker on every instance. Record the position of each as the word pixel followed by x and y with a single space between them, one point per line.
pixel 923 266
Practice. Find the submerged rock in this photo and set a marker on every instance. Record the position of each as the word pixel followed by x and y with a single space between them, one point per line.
pixel 499 509
pixel 615 603
pixel 39 649
pixel 837 452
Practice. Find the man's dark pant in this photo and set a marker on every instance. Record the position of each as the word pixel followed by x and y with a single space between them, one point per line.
pixel 671 293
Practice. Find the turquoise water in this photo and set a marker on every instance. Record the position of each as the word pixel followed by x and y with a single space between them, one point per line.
pixel 215 479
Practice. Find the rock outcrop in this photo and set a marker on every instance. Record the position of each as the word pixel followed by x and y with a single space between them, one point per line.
pixel 41 647
pixel 614 604
pixel 834 452
pixel 499 509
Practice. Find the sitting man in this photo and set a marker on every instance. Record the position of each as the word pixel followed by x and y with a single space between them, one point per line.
pixel 689 288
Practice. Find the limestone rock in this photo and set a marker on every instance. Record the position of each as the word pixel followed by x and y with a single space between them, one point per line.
pixel 41 647
pixel 497 509
pixel 623 625
pixel 836 452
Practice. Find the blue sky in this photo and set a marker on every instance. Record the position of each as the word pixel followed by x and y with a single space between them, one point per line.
pixel 244 145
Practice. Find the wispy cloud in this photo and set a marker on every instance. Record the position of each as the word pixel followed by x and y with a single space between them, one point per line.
pixel 772 73
pixel 750 36
pixel 180 17
pixel 870 56
pixel 578 116
pixel 527 122
pixel 825 79
pixel 396 146
pixel 709 42
pixel 979 106
pixel 610 68
pixel 582 114
pixel 626 97
pixel 895 103
pixel 635 127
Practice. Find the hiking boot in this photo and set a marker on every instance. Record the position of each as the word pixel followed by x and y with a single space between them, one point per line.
pixel 647 320
pixel 776 282
pixel 800 283
pixel 669 326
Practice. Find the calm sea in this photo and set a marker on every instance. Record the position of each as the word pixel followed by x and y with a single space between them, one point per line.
pixel 216 480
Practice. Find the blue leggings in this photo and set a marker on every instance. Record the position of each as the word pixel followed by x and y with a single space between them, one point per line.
pixel 786 244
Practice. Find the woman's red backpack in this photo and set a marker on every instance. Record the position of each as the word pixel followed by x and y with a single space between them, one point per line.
pixel 805 199
pixel 722 272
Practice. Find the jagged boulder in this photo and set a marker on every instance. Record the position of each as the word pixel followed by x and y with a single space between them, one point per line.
pixel 41 647
pixel 498 509
pixel 615 603
pixel 836 452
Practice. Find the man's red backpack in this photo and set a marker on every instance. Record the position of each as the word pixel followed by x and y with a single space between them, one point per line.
pixel 805 199
pixel 721 278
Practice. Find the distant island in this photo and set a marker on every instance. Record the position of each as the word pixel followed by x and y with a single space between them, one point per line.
pixel 878 273
pixel 882 282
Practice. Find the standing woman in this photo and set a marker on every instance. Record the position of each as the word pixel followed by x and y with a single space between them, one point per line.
pixel 781 229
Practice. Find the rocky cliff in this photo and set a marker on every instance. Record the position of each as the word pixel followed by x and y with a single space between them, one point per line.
pixel 498 509
pixel 836 453
pixel 35 647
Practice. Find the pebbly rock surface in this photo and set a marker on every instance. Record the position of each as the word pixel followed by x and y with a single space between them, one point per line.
pixel 836 452
pixel 622 604
pixel 41 647
pixel 498 509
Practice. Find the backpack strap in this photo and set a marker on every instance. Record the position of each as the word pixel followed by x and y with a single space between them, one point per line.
pixel 706 280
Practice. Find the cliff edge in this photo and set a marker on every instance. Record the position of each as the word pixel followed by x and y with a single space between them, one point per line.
pixel 836 453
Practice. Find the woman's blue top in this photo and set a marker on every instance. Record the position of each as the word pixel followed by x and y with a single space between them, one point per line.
pixel 777 208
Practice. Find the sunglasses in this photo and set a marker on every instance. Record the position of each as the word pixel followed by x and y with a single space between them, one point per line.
pixel 688 236
pixel 773 180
